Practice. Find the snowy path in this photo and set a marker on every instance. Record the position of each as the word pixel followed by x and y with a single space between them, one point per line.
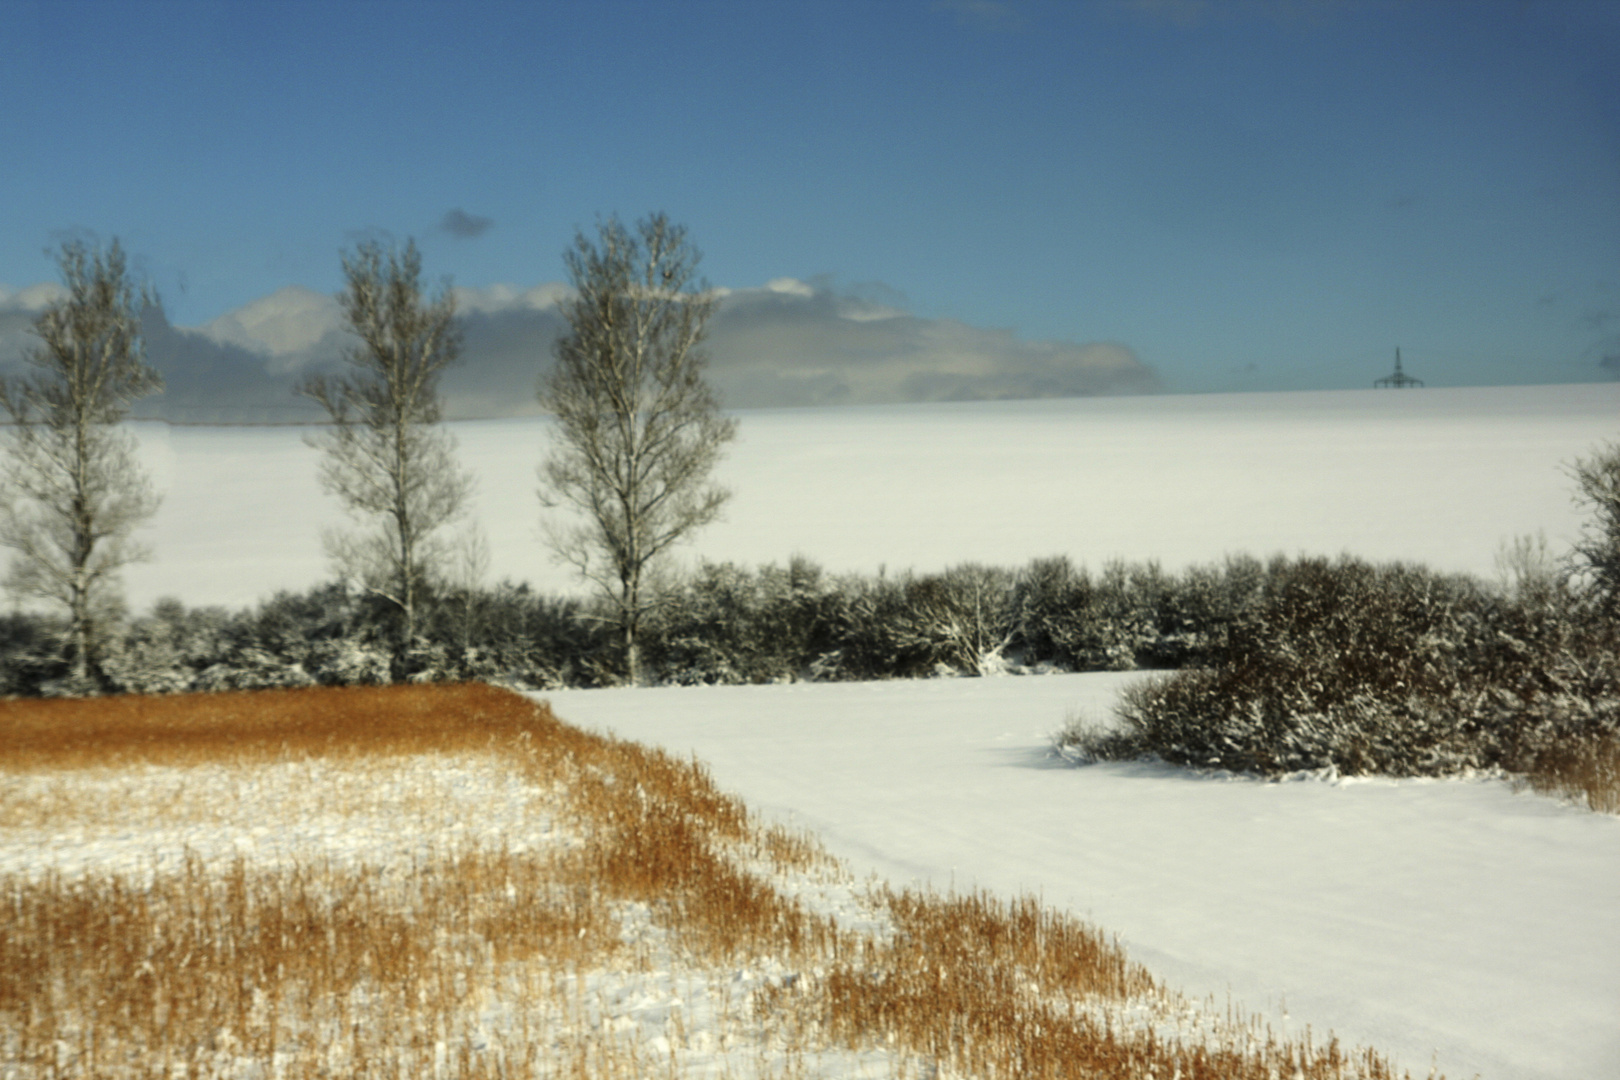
pixel 1448 920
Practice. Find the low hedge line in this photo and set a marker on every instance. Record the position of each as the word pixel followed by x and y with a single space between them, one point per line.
pixel 1378 669
pixel 1278 666
pixel 720 623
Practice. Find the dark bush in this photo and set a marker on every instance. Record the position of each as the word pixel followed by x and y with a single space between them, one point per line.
pixel 862 632
pixel 513 635
pixel 726 624
pixel 1127 617
pixel 718 624
pixel 31 653
pixel 1063 617
pixel 1299 663
pixel 1388 669
pixel 960 621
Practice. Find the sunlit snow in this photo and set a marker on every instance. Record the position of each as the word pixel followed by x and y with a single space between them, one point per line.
pixel 1438 476
pixel 1455 921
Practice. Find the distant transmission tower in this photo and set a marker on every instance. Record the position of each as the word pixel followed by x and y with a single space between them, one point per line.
pixel 1400 380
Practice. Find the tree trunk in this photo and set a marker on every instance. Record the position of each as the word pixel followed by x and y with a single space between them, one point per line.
pixel 632 654
pixel 83 546
pixel 629 618
pixel 403 521
pixel 81 636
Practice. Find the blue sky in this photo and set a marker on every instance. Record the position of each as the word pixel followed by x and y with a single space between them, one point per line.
pixel 1245 195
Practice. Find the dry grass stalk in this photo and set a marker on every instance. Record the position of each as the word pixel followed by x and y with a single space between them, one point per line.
pixel 992 989
pixel 1586 770
pixel 334 963
pixel 480 963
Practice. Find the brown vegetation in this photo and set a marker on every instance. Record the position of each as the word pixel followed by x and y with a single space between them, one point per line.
pixel 255 726
pixel 490 962
pixel 1585 770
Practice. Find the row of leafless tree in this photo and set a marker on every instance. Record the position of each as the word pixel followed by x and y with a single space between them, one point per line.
pixel 638 431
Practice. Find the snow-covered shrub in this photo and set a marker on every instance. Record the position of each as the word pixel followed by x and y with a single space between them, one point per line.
pixel 868 637
pixel 1316 673
pixel 911 626
pixel 328 634
pixel 1387 669
pixel 508 634
pixel 351 662
pixel 1128 616
pixel 1193 613
pixel 293 625
pixel 700 633
pixel 163 651
pixel 1045 594
pixel 723 623
pixel 793 619
pixel 429 662
pixel 1188 719
pixel 145 668
pixel 959 621
pixel 726 624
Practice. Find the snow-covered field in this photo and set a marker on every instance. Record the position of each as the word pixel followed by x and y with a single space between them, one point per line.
pixel 1453 923
pixel 334 823
pixel 1438 476
pixel 1456 921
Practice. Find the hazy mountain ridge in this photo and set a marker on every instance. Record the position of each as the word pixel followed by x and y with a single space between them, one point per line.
pixel 788 343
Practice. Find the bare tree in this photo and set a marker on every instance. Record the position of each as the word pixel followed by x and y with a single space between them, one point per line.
pixel 469 566
pixel 638 428
pixel 1595 560
pixel 72 489
pixel 386 458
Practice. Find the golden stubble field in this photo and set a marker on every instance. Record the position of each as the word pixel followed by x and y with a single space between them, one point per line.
pixel 448 881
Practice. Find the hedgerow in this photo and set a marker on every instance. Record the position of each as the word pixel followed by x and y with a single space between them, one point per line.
pixel 1389 669
pixel 718 623
pixel 1269 667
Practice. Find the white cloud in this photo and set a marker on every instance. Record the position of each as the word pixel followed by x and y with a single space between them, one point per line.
pixel 489 299
pixel 857 310
pixel 18 310
pixel 33 298
pixel 289 321
pixel 804 344
pixel 788 287
pixel 849 306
